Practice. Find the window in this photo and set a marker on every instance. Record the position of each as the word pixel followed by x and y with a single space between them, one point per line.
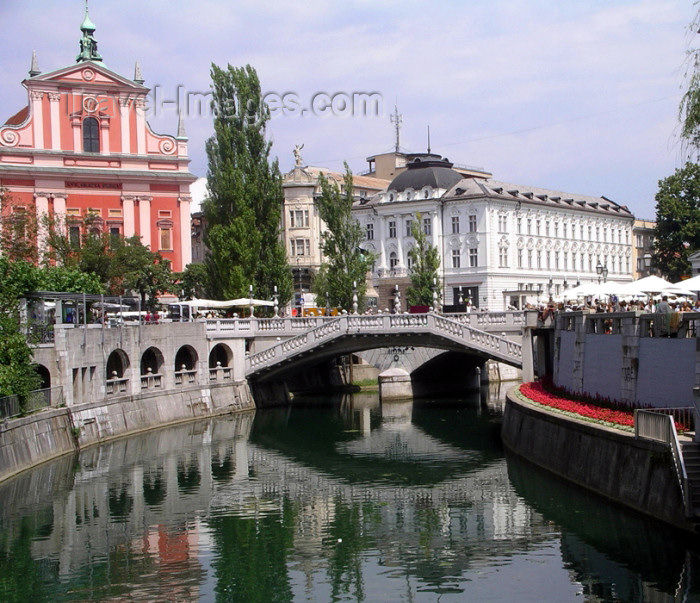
pixel 473 257
pixel 370 232
pixel 566 260
pixel 408 227
pixel 392 229
pixel 539 260
pixel 301 247
pixel 472 223
pixel 165 238
pixel 529 258
pixel 427 226
pixel 91 135
pixel 565 227
pixel 519 225
pixel 393 260
pixel 456 258
pixel 640 241
pixel 538 224
pixel 549 259
pixel 529 226
pixel 299 218
pixel 573 262
pixel 502 224
pixel 520 258
pixel 556 260
pixel 455 224
pixel 503 257
pixel 409 262
pixel 74 235
pixel 546 228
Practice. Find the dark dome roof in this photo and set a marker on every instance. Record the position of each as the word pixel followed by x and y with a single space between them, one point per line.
pixel 426 170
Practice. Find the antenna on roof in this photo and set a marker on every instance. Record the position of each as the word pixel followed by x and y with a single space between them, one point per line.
pixel 428 140
pixel 396 119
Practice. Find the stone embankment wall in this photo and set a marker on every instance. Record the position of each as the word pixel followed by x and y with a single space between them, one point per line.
pixel 636 473
pixel 31 440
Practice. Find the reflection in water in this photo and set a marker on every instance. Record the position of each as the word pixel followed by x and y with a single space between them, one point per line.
pixel 340 499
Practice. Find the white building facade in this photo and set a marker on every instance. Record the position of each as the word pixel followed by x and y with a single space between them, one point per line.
pixel 501 245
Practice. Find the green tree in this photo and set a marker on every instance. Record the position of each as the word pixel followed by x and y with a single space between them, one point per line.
pixel 689 109
pixel 345 264
pixel 136 268
pixel 243 211
pixel 19 229
pixel 18 375
pixel 677 232
pixel 425 259
pixel 192 282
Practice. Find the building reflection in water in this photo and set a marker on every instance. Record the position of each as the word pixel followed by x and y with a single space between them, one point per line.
pixel 297 501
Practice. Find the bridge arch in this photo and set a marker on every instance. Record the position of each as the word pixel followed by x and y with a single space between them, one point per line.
pixel 220 355
pixel 45 375
pixel 186 358
pixel 117 364
pixel 152 361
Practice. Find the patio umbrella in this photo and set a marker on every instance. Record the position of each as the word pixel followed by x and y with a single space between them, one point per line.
pixel 649 284
pixel 692 284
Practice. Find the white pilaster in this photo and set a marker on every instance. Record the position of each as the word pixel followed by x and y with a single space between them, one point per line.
pixel 129 216
pixel 145 220
pixel 37 118
pixel 54 98
pixel 41 201
pixel 124 104
pixel 185 230
pixel 104 135
pixel 140 106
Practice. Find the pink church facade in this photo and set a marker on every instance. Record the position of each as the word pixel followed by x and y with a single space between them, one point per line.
pixel 82 146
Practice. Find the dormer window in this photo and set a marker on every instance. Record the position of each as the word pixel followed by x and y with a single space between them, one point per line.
pixel 91 135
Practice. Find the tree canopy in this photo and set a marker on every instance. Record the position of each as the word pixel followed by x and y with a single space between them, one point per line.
pixel 345 264
pixel 425 260
pixel 689 109
pixel 677 232
pixel 243 211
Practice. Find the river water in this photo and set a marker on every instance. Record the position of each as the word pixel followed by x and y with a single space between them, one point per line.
pixel 339 499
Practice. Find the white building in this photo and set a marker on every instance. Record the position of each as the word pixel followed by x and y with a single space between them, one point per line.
pixel 503 244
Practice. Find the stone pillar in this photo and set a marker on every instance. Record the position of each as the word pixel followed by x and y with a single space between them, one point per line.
pixel 37 118
pixel 630 358
pixel 395 384
pixel 528 352
pixel 54 98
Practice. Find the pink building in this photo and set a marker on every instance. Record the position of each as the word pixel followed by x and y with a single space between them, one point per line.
pixel 82 147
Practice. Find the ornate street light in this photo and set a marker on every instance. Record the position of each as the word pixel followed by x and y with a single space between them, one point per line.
pixel 647 263
pixel 602 272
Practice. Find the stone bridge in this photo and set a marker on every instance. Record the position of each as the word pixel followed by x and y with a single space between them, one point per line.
pixel 333 337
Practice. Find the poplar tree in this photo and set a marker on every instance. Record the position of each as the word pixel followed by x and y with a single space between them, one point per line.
pixel 425 260
pixel 345 264
pixel 243 211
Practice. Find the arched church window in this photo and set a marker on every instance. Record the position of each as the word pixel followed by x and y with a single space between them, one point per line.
pixel 91 135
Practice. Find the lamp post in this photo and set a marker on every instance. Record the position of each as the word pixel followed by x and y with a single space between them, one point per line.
pixel 602 272
pixel 647 263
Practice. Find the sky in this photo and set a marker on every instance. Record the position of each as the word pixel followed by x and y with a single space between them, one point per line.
pixel 580 97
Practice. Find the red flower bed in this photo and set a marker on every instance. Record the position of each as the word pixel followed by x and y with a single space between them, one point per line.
pixel 535 391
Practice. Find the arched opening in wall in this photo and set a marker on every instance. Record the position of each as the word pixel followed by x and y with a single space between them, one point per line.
pixel 45 376
pixel 117 363
pixel 220 355
pixel 448 374
pixel 91 135
pixel 151 362
pixel 186 358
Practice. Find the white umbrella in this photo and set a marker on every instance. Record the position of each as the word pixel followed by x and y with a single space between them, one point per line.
pixel 595 290
pixel 692 284
pixel 648 284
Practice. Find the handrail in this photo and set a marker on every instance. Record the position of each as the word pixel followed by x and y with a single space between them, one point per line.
pixel 649 425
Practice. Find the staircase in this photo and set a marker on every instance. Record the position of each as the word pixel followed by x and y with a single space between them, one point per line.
pixel 691 458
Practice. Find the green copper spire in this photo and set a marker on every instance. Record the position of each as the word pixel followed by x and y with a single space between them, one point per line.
pixel 88 44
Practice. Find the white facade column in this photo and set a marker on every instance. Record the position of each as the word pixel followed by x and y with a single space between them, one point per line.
pixel 129 216
pixel 54 98
pixel 37 118
pixel 41 202
pixel 76 122
pixel 124 104
pixel 185 231
pixel 381 223
pixel 399 242
pixel 59 209
pixel 145 220
pixel 104 135
pixel 140 105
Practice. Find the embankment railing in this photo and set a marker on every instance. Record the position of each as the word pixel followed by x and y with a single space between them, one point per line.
pixel 661 427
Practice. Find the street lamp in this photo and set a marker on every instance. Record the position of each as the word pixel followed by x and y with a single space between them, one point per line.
pixel 647 263
pixel 602 272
